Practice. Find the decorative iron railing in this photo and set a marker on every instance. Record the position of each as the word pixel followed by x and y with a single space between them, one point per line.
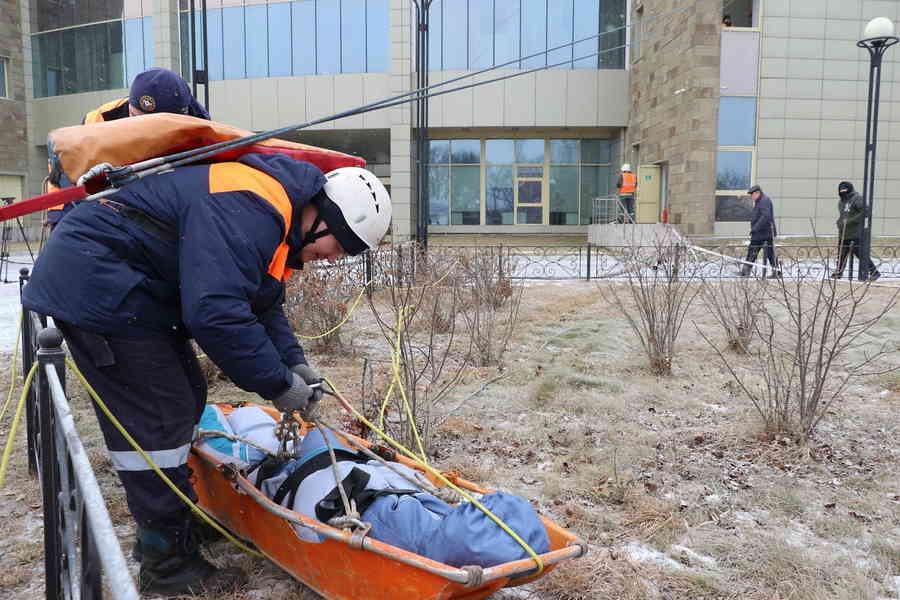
pixel 590 262
pixel 80 545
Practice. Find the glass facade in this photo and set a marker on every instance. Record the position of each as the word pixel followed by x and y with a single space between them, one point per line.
pixel 303 37
pixel 518 181
pixel 89 58
pixel 474 34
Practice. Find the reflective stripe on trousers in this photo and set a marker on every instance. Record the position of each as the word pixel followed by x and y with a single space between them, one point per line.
pixel 164 459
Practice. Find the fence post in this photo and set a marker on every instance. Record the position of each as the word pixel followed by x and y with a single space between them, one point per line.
pixel 27 360
pixel 588 261
pixel 50 352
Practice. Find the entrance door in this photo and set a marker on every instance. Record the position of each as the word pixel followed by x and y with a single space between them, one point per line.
pixel 530 195
pixel 648 194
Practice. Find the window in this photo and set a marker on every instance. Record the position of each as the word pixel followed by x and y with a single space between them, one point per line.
pixel 256 26
pixel 353 36
pixel 86 59
pixel 4 78
pixel 734 169
pixel 474 34
pixel 737 121
pixel 233 34
pixel 518 181
pixel 733 208
pixel 279 17
pixel 303 36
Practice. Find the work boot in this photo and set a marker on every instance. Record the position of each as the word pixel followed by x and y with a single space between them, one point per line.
pixel 173 566
pixel 774 275
pixel 874 276
pixel 746 270
pixel 207 534
pixel 837 274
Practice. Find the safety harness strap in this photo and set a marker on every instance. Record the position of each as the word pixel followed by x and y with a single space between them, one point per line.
pixel 354 485
pixel 316 463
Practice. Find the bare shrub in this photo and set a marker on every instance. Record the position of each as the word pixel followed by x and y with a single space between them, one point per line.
pixel 316 302
pixel 491 300
pixel 736 305
pixel 416 310
pixel 814 339
pixel 662 283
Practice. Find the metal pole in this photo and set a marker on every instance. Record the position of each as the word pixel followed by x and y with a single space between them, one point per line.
pixel 876 48
pixel 421 11
pixel 193 47
pixel 50 353
pixel 205 56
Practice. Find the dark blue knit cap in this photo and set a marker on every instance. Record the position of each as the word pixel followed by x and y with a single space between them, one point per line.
pixel 162 91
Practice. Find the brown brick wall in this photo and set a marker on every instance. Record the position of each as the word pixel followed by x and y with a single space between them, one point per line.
pixel 679 50
pixel 13 145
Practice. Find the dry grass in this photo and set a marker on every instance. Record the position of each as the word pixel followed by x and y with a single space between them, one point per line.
pixel 673 467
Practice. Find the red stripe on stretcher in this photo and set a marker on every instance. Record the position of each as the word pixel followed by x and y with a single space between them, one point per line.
pixel 44 201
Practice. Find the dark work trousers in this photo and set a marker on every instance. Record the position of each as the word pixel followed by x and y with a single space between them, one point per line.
pixel 628 207
pixel 155 388
pixel 852 245
pixel 758 244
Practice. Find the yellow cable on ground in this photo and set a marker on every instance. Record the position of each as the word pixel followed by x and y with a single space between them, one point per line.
pixel 12 432
pixel 12 368
pixel 341 324
pixel 196 509
pixel 440 476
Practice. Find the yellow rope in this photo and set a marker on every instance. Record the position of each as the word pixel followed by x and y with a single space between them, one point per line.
pixel 341 324
pixel 440 476
pixel 15 424
pixel 12 368
pixel 196 509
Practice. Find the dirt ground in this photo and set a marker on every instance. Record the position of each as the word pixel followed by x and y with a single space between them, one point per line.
pixel 667 478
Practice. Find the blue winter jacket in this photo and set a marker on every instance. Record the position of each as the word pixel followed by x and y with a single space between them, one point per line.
pixel 762 219
pixel 106 273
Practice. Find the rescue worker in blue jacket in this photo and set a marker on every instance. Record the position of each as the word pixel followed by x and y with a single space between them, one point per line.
pixel 153 91
pixel 199 252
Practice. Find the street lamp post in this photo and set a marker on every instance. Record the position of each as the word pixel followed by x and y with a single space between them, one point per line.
pixel 879 36
pixel 422 211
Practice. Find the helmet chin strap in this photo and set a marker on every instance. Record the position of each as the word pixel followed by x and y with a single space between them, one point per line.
pixel 309 237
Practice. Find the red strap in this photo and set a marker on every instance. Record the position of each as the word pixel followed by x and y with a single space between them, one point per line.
pixel 31 205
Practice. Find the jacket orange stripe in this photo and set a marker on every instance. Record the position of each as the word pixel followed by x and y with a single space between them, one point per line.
pixel 232 177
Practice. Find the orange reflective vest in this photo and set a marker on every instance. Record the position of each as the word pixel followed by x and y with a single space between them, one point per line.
pixel 629 183
pixel 232 177
pixel 116 109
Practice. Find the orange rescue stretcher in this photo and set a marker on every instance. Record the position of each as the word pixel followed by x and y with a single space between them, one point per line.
pixel 348 566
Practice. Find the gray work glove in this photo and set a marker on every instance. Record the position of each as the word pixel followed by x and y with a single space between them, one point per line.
pixel 296 397
pixel 310 376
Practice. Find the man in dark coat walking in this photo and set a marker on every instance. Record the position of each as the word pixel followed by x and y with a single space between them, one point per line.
pixel 762 233
pixel 851 212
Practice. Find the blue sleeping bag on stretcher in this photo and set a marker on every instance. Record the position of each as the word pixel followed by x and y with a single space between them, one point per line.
pixel 401 514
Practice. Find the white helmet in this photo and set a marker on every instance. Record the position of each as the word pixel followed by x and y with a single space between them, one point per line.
pixel 359 213
pixel 626 167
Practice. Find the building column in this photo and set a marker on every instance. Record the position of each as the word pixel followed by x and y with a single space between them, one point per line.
pixel 402 197
pixel 166 36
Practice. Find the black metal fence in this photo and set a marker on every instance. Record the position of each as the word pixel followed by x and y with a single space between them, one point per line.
pixel 590 261
pixel 80 544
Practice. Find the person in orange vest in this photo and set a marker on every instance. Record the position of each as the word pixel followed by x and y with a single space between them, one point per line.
pixel 626 185
pixel 153 91
pixel 199 252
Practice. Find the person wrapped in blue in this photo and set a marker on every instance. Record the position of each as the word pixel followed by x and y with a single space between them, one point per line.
pixel 400 513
